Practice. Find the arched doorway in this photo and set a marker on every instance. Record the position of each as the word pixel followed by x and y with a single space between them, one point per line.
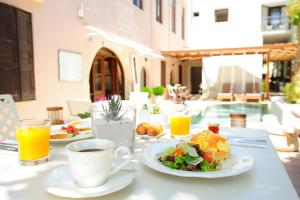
pixel 143 77
pixel 106 76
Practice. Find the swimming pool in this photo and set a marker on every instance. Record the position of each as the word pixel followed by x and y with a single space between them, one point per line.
pixel 220 114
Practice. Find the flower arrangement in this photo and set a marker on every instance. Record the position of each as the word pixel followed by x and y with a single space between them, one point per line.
pixel 179 94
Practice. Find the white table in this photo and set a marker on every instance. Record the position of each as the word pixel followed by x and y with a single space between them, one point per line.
pixel 267 180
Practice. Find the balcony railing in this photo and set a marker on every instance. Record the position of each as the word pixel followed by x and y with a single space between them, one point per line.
pixel 280 23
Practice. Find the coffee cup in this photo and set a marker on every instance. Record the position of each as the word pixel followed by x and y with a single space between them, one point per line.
pixel 91 161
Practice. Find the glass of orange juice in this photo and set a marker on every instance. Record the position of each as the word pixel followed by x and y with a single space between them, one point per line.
pixel 33 138
pixel 180 123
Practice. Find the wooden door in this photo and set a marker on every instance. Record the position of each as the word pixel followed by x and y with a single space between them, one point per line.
pixel 104 77
pixel 163 73
pixel 180 74
pixel 9 60
pixel 196 79
pixel 25 55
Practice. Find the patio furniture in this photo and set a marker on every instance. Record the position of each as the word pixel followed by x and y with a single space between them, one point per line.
pixel 9 117
pixel 283 136
pixel 226 93
pixel 252 92
pixel 79 106
pixel 267 180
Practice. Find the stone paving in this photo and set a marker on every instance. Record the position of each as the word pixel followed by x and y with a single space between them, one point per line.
pixel 291 162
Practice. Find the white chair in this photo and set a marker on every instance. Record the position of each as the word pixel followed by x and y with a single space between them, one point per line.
pixel 79 106
pixel 283 136
pixel 9 117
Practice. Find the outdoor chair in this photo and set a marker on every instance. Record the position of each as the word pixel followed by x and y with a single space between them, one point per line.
pixel 9 117
pixel 252 92
pixel 226 93
pixel 283 136
pixel 79 106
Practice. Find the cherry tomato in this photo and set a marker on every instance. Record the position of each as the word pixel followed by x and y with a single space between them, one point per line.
pixel 178 152
pixel 208 157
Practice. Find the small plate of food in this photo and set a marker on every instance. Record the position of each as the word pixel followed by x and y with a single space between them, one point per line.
pixel 69 133
pixel 147 131
pixel 205 155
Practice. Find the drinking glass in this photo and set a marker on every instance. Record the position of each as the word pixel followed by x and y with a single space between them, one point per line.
pixel 33 141
pixel 180 123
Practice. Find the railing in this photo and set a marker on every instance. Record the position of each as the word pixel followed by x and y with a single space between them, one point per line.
pixel 280 23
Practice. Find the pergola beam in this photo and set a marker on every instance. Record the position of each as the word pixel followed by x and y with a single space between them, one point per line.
pixel 277 52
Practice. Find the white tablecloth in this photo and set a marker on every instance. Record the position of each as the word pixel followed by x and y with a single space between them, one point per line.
pixel 267 180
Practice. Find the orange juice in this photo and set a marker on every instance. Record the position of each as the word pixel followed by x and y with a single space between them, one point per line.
pixel 33 142
pixel 180 125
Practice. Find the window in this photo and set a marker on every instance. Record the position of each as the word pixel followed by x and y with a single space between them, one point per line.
pixel 274 16
pixel 16 54
pixel 138 3
pixel 221 15
pixel 183 24
pixel 173 11
pixel 159 11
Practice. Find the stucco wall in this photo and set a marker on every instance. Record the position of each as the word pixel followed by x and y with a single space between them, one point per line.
pixel 242 29
pixel 56 26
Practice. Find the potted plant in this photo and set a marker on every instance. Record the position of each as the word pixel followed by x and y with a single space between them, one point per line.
pixel 158 92
pixel 263 90
pixel 112 121
pixel 146 89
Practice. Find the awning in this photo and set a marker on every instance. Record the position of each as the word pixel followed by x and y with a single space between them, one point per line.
pixel 276 52
pixel 141 49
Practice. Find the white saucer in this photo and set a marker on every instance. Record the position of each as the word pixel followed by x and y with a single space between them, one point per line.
pixel 60 183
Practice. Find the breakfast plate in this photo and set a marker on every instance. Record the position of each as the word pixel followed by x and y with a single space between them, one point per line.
pixel 239 162
pixel 60 182
pixel 61 134
pixel 81 136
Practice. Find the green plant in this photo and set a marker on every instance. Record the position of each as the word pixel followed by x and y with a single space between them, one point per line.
pixel 158 90
pixel 263 86
pixel 84 115
pixel 292 90
pixel 294 11
pixel 146 89
pixel 156 109
pixel 112 111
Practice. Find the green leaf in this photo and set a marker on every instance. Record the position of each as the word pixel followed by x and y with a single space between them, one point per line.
pixel 206 166
pixel 168 152
pixel 191 160
pixel 188 149
pixel 179 159
pixel 170 164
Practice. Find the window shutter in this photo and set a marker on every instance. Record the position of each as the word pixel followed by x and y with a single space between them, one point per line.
pixel 24 28
pixel 9 60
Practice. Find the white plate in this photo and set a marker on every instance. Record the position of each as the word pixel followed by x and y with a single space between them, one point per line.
pixel 151 137
pixel 240 162
pixel 77 137
pixel 60 183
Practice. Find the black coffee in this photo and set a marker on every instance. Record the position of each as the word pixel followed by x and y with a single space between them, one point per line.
pixel 90 150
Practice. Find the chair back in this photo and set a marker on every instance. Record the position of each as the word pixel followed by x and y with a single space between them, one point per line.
pixel 79 106
pixel 226 88
pixel 252 88
pixel 9 117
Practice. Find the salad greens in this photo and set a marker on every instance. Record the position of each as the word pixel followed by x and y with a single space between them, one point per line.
pixel 188 157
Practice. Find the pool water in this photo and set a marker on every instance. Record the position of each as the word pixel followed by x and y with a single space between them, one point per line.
pixel 220 114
